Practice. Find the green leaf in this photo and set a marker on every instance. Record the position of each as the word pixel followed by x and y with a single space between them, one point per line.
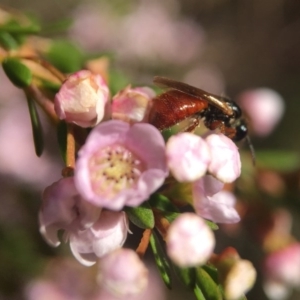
pixel 7 41
pixel 198 293
pixel 66 56
pixel 37 129
pixel 281 161
pixel 170 216
pixel 56 27
pixel 117 81
pixel 211 225
pixel 62 139
pixel 212 272
pixel 207 285
pixel 15 28
pixel 142 216
pixel 162 203
pixel 186 275
pixel 161 260
pixel 19 74
pixel 50 86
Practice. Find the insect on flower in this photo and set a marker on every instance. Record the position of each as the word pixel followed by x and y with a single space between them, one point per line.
pixel 182 101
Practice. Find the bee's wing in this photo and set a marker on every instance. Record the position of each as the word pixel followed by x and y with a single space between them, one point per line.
pixel 193 91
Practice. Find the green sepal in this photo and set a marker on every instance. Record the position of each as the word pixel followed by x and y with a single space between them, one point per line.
pixel 62 139
pixel 161 260
pixel 162 203
pixel 7 41
pixel 142 216
pixel 37 130
pixel 19 74
pixel 208 286
pixel 186 275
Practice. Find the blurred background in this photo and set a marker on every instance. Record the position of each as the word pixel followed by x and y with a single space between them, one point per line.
pixel 226 47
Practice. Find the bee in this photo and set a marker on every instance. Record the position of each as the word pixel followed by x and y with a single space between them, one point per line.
pixel 182 101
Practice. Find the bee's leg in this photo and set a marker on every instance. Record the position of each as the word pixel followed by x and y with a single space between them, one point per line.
pixel 194 122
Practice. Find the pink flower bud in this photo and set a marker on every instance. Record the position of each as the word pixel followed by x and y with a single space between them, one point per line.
pixel 213 204
pixel 189 241
pixel 121 164
pixel 239 280
pixel 82 99
pixel 265 108
pixel 188 156
pixel 282 270
pixel 236 275
pixel 132 104
pixel 123 273
pixel 225 162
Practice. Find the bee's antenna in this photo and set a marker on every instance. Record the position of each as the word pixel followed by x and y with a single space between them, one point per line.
pixel 251 149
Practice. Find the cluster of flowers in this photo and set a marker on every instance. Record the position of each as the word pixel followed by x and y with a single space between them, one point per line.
pixel 123 161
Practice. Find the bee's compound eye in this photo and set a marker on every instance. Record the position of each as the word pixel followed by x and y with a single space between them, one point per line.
pixel 237 110
pixel 241 131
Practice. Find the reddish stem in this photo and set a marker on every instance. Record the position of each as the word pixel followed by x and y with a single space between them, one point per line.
pixel 143 245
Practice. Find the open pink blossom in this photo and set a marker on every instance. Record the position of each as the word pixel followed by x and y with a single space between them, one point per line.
pixel 265 108
pixel 282 271
pixel 106 235
pixel 211 203
pixel 121 164
pixel 82 99
pixel 132 104
pixel 189 241
pixel 188 156
pixel 123 273
pixel 225 162
pixel 62 206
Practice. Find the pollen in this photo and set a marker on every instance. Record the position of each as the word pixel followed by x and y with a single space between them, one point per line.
pixel 113 169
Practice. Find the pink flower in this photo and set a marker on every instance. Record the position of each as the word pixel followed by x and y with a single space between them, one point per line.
pixel 265 108
pixel 189 241
pixel 188 156
pixel 62 206
pixel 107 234
pixel 82 99
pixel 282 271
pixel 123 273
pixel 132 104
pixel 213 204
pixel 90 233
pixel 121 165
pixel 225 162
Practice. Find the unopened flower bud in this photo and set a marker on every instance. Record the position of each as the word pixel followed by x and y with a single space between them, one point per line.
pixel 236 275
pixel 123 273
pixel 82 99
pixel 225 162
pixel 132 104
pixel 188 156
pixel 265 108
pixel 189 240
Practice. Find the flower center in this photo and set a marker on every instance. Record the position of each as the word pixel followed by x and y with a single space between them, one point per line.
pixel 113 169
